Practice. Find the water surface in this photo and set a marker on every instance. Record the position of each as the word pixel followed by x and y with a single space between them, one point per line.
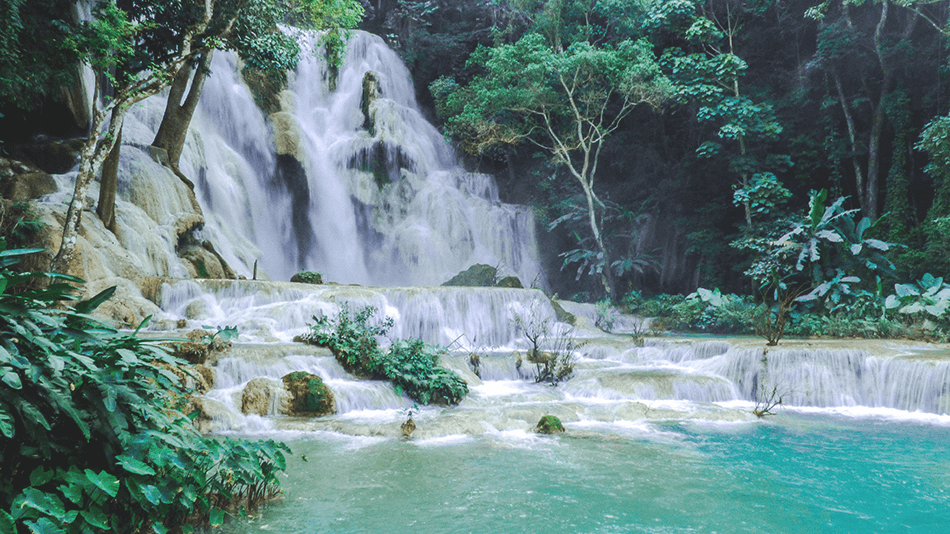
pixel 796 472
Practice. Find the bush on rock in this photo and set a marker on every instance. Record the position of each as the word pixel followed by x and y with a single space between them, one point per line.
pixel 309 395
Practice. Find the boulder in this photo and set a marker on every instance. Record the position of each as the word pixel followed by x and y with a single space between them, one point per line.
pixel 286 134
pixel 307 277
pixel 206 378
pixel 512 282
pixel 201 262
pixel 54 157
pixel 29 186
pixel 408 427
pixel 478 275
pixel 212 415
pixel 309 395
pixel 562 315
pixel 202 348
pixel 265 396
pixel 549 424
pixel 371 93
pixel 127 307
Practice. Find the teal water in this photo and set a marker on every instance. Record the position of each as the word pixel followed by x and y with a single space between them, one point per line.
pixel 796 472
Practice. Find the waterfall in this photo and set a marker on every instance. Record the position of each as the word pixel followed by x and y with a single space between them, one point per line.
pixel 614 381
pixel 376 198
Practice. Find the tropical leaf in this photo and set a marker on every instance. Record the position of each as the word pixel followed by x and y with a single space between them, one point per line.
pixel 12 379
pixel 134 466
pixel 152 493
pixel 96 517
pixel 216 517
pixel 43 526
pixel 87 306
pixel 104 481
pixel 40 476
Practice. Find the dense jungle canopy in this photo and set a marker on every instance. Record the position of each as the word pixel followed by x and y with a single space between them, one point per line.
pixel 765 102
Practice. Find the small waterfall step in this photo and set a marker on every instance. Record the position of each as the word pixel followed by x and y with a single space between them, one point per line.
pixel 279 311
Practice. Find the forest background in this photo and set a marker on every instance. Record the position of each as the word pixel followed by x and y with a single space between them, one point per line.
pixel 792 152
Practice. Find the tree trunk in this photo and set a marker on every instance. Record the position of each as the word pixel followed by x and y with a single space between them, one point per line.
pixel 852 138
pixel 874 150
pixel 606 275
pixel 108 184
pixel 94 152
pixel 178 114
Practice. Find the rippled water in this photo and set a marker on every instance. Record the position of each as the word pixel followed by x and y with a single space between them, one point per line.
pixel 796 472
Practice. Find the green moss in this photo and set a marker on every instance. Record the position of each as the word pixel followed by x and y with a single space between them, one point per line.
pixel 307 277
pixel 549 424
pixel 512 282
pixel 201 269
pixel 311 395
pixel 478 275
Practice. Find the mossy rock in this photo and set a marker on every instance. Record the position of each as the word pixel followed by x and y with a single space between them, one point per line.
pixel 549 424
pixel 478 275
pixel 562 315
pixel 307 277
pixel 199 350
pixel 310 396
pixel 512 282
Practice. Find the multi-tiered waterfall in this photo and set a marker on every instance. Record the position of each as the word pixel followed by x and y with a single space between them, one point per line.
pixel 349 179
pixel 360 187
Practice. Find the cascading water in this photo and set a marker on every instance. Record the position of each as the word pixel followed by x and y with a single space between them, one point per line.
pixel 361 187
pixel 614 380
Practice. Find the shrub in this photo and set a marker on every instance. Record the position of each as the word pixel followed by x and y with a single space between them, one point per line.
pixel 90 438
pixel 706 310
pixel 412 365
pixel 606 315
pixel 553 356
pixel 351 338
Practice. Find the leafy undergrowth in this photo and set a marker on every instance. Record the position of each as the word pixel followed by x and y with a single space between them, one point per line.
pixel 917 312
pixel 91 433
pixel 411 365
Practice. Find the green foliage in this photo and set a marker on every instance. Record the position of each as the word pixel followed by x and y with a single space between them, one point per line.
pixel 708 311
pixel 34 51
pixel 764 194
pixel 90 440
pixel 411 365
pixel 352 338
pixel 929 297
pixel 19 226
pixel 221 334
pixel 825 253
pixel 617 224
pixel 606 315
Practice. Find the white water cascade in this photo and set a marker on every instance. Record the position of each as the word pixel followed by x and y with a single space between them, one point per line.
pixel 614 383
pixel 385 204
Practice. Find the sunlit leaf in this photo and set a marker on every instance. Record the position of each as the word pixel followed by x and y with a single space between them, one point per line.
pixel 104 481
pixel 134 466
